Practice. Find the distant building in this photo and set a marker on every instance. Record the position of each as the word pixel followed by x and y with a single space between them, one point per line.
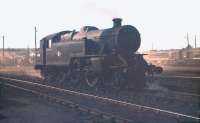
pixel 185 56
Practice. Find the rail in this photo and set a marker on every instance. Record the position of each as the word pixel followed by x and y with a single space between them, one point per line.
pixel 107 99
pixel 114 119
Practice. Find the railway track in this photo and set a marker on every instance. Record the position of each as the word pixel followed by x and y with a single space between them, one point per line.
pixel 186 94
pixel 74 105
pixel 167 84
pixel 188 85
pixel 65 102
pixel 159 97
pixel 178 76
pixel 183 83
pixel 106 107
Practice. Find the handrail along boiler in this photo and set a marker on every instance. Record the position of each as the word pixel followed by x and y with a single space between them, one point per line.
pixel 95 57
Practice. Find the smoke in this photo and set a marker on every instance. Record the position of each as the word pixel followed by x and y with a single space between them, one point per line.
pixel 155 86
pixel 94 8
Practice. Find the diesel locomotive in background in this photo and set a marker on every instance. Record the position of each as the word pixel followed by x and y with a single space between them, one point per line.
pixel 93 57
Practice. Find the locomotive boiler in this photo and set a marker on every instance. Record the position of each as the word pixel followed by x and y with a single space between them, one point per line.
pixel 94 57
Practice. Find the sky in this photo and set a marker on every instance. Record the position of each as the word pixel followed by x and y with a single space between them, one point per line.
pixel 162 24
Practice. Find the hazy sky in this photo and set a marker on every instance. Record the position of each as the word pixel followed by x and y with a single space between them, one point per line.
pixel 164 23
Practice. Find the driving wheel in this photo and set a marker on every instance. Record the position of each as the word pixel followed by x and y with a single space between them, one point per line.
pixel 91 78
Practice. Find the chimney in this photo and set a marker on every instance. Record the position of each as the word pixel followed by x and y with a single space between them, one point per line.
pixel 117 22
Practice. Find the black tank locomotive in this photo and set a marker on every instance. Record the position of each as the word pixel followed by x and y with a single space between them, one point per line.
pixel 94 57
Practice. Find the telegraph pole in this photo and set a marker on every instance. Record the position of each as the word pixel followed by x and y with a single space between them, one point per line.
pixel 188 43
pixel 152 48
pixel 188 47
pixel 35 44
pixel 195 42
pixel 2 83
pixel 3 51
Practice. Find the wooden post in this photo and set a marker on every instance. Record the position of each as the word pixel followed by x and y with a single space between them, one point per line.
pixel 3 52
pixel 35 45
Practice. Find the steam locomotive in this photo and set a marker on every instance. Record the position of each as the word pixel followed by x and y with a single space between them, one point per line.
pixel 92 57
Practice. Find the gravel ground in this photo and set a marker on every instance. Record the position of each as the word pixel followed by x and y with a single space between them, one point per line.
pixel 21 107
